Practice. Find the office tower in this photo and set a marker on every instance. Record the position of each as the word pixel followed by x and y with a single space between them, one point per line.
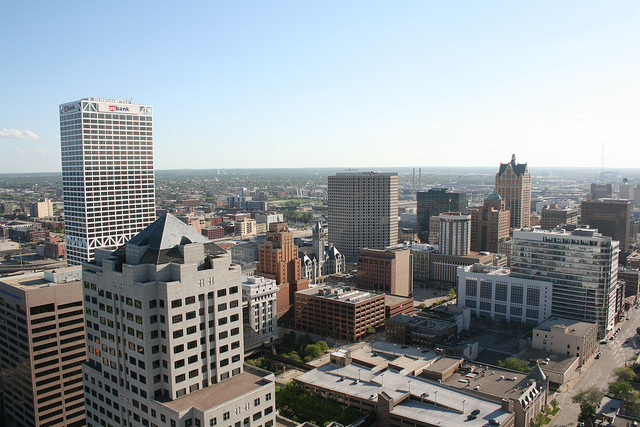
pixel 42 343
pixel 41 209
pixel 107 173
pixel 387 270
pixel 164 319
pixel 626 190
pixel 601 191
pixel 513 184
pixel 610 217
pixel 434 202
pixel 553 216
pixel 582 265
pixel 455 234
pixel 489 224
pixel 362 211
pixel 279 261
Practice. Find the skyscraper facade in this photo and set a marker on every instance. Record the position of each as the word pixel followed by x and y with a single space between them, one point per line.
pixel 582 265
pixel 513 184
pixel 434 202
pixel 611 217
pixel 107 173
pixel 455 234
pixel 42 348
pixel 165 341
pixel 489 224
pixel 362 211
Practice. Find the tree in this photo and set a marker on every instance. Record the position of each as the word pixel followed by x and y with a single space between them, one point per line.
pixel 312 350
pixel 625 391
pixel 587 410
pixel 624 373
pixel 538 420
pixel 554 403
pixel 452 293
pixel 590 395
pixel 515 364
pixel 371 330
pixel 323 345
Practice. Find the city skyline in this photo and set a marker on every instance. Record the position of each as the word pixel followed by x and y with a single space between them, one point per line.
pixel 369 82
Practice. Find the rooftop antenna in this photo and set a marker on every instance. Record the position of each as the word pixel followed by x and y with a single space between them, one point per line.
pixel 602 166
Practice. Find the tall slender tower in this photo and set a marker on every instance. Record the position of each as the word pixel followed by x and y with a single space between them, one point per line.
pixel 362 211
pixel 279 261
pixel 513 184
pixel 107 173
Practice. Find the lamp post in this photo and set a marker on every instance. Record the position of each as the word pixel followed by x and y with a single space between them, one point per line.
pixel 463 406
pixel 394 350
pixel 359 374
pixel 435 399
pixel 382 382
pixel 409 387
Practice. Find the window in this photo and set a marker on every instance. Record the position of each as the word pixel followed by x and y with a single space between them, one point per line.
pixel 222 292
pixel 471 288
pixel 233 304
pixel 222 307
pixel 485 289
pixel 178 363
pixel 176 303
pixel 180 378
pixel 189 300
pixel 226 416
pixel 190 315
pixel 222 321
pixel 178 333
pixel 191 330
pixel 177 318
pixel 233 290
pixel 192 344
pixel 178 348
pixel 234 318
pixel 533 297
pixel 223 335
pixel 516 294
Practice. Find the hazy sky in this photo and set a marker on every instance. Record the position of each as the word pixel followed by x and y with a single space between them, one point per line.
pixel 331 83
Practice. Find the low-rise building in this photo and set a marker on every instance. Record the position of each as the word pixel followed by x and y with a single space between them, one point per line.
pixel 566 336
pixel 394 305
pixel 444 268
pixel 55 247
pixel 491 291
pixel 344 312
pixel 553 216
pixel 419 331
pixel 245 253
pixel 213 232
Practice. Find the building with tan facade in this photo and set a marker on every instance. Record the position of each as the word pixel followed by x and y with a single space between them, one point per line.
pixel 362 211
pixel 279 261
pixel 389 270
pixel 42 348
pixel 513 184
pixel 566 336
pixel 489 224
pixel 553 216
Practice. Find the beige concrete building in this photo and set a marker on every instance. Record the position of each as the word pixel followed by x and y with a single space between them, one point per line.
pixel 41 209
pixel 566 336
pixel 455 234
pixel 362 209
pixel 42 348
pixel 166 344
pixel 244 228
pixel 513 184
pixel 389 270
pixel 489 224
pixel 553 216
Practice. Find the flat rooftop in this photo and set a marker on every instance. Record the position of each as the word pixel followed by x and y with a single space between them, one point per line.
pixel 548 361
pixel 498 382
pixel 572 327
pixel 418 399
pixel 217 394
pixel 340 293
pixel 43 279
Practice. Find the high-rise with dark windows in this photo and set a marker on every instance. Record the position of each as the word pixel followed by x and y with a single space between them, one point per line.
pixel 434 202
pixel 107 173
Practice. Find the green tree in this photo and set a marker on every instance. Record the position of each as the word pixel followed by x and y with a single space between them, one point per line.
pixel 554 403
pixel 587 410
pixel 624 373
pixel 312 350
pixel 515 364
pixel 323 345
pixel 452 293
pixel 538 420
pixel 371 330
pixel 590 395
pixel 625 391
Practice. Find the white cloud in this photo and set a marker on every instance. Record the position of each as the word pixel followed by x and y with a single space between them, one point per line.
pixel 17 134
pixel 43 151
pixel 19 151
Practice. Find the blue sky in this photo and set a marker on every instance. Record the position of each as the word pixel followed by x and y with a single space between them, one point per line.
pixel 331 83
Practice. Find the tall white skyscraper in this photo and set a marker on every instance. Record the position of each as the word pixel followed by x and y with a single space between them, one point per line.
pixel 107 173
pixel 362 211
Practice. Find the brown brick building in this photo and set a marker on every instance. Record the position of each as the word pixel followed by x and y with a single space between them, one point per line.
pixel 389 270
pixel 343 312
pixel 553 216
pixel 489 224
pixel 610 217
pixel 55 248
pixel 279 261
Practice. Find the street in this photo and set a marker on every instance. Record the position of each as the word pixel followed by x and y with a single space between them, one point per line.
pixel 615 353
